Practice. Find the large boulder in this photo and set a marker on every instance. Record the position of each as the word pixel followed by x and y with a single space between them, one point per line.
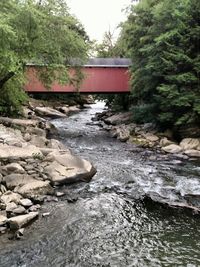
pixel 49 112
pixel 190 143
pixel 67 168
pixel 172 148
pixel 22 220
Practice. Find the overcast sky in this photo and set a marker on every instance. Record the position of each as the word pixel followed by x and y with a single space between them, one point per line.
pixel 98 16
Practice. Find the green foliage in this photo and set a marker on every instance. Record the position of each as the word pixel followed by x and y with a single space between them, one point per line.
pixel 41 32
pixel 162 38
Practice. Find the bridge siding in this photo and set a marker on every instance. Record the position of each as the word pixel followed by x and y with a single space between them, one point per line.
pixel 98 80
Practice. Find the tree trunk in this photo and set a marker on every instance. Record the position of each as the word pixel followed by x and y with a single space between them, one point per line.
pixel 6 78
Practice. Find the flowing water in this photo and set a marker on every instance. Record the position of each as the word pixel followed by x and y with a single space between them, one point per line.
pixel 119 219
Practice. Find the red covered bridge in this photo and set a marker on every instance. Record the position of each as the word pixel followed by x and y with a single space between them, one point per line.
pixel 102 75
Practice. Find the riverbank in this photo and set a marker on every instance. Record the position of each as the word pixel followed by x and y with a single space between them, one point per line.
pixel 33 166
pixel 119 126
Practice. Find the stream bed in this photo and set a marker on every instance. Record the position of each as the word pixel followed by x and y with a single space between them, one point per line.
pixel 122 218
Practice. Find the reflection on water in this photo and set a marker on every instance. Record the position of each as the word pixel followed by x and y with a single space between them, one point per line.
pixel 113 223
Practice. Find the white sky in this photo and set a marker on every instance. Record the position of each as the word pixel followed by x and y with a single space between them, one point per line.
pixel 98 16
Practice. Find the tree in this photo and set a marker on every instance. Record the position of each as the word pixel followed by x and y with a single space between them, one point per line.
pixel 162 38
pixel 41 32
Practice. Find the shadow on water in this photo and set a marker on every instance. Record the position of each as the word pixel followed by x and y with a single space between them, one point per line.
pixel 114 223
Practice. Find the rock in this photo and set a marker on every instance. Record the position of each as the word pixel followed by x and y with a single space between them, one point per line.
pixel 59 194
pixel 35 130
pixel 66 168
pixel 2 188
pixel 151 137
pixel 165 142
pixel 34 207
pixel 18 122
pixel 19 210
pixel 39 141
pixel 10 197
pixel 26 202
pixel 45 214
pixel 64 109
pixel 3 220
pixel 27 137
pixel 73 109
pixel 49 112
pixel 55 144
pixel 3 229
pixel 190 143
pixel 172 148
pixel 19 233
pixel 192 153
pixel 34 189
pixel 28 113
pixel 13 168
pixel 11 206
pixel 122 133
pixel 119 118
pixel 22 220
pixel 13 152
pixel 13 180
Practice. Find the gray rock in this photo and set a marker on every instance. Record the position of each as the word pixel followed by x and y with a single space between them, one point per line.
pixel 35 207
pixel 34 189
pixel 49 112
pixel 39 141
pixel 26 202
pixel 17 153
pixel 14 168
pixel 172 148
pixel 10 197
pixel 19 210
pixel 22 220
pixel 3 220
pixel 165 142
pixel 66 168
pixel 192 153
pixel 190 143
pixel 2 188
pixel 11 206
pixel 119 118
pixel 13 180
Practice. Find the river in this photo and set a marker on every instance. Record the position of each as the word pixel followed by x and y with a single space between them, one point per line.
pixel 114 222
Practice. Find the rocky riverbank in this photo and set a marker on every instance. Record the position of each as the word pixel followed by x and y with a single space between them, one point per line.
pixel 33 166
pixel 120 126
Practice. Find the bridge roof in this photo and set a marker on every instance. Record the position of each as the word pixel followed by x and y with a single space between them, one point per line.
pixel 108 62
pixel 97 62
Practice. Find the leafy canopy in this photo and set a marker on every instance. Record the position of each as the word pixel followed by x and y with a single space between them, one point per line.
pixel 162 37
pixel 41 32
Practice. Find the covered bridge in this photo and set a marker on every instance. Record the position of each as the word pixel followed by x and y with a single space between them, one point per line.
pixel 102 75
